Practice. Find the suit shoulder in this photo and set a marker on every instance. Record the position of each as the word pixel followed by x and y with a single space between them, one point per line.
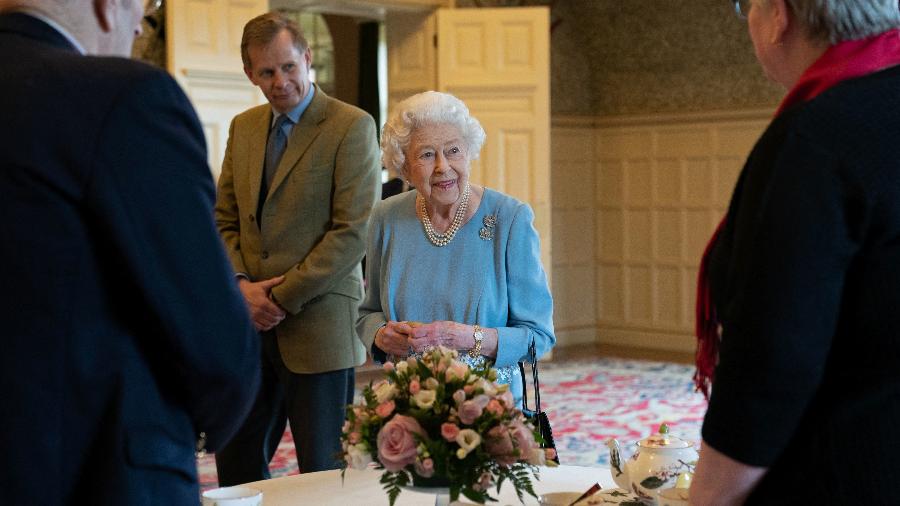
pixel 343 109
pixel 111 79
pixel 124 70
pixel 253 114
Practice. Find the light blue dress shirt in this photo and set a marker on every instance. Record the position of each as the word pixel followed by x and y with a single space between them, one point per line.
pixel 294 114
pixel 491 276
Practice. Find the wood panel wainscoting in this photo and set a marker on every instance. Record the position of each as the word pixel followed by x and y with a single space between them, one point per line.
pixel 634 202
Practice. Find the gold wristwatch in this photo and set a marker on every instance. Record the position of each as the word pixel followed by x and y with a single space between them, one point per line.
pixel 478 335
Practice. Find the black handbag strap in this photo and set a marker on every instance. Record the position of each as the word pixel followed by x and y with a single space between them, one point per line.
pixel 532 356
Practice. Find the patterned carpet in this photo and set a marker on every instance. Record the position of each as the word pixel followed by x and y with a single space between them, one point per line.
pixel 587 402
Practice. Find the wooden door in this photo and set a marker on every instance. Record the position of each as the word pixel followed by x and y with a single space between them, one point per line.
pixel 204 54
pixel 497 61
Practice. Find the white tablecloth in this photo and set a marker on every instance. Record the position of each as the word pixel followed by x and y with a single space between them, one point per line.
pixel 361 488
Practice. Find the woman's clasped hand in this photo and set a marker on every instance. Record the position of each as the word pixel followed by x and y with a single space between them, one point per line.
pixel 402 338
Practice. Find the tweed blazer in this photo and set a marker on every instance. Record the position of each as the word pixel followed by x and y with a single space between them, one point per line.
pixel 313 227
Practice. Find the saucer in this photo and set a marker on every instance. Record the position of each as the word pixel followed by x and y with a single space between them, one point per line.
pixel 559 498
pixel 603 497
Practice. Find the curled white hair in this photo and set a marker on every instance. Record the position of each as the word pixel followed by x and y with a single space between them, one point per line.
pixel 842 20
pixel 428 108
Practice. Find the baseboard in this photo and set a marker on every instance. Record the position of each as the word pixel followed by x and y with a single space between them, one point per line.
pixel 640 120
pixel 684 343
pixel 574 336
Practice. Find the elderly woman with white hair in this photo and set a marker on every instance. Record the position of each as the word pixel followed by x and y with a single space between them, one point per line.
pixel 451 263
pixel 803 275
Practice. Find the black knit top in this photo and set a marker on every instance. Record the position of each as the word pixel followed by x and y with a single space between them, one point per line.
pixel 806 281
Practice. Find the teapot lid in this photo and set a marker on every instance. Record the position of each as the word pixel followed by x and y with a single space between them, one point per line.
pixel 663 440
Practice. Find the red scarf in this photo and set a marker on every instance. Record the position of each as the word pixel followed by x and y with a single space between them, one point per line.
pixel 839 62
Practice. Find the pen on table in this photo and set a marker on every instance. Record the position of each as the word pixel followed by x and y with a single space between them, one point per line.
pixel 591 491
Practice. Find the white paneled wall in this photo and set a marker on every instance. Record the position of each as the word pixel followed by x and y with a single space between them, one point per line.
pixel 635 201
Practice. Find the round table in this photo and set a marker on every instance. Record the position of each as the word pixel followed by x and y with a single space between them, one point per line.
pixel 363 488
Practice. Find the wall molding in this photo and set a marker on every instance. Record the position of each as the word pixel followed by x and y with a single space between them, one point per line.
pixel 641 120
pixel 567 336
pixel 215 77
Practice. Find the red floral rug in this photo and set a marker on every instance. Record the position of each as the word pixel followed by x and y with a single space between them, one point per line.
pixel 587 402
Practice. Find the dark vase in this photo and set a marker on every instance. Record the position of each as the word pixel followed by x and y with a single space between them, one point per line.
pixel 434 481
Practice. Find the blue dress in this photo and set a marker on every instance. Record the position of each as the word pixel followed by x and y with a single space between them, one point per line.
pixel 490 276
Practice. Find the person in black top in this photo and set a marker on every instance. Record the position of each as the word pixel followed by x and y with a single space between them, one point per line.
pixel 804 273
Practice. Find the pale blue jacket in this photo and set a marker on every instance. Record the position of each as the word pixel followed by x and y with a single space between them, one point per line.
pixel 491 276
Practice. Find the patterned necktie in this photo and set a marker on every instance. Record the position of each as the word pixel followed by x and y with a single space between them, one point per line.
pixel 274 149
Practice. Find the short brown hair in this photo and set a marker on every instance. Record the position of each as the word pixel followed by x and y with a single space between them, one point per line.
pixel 264 28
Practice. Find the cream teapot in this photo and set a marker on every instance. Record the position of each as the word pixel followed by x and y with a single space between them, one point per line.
pixel 655 465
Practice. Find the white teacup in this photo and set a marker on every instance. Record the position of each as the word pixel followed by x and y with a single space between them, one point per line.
pixel 673 497
pixel 233 496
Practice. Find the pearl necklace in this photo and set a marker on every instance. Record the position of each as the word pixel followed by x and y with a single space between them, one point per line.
pixel 443 239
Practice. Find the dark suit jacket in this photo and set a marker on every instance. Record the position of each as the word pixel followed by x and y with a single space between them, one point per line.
pixel 123 335
pixel 314 224
pixel 806 280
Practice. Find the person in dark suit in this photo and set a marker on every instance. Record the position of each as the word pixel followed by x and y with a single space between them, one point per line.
pixel 123 336
pixel 299 179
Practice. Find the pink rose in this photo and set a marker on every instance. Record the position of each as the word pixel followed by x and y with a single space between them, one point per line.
pixel 414 387
pixel 524 437
pixel 388 366
pixel 495 408
pixel 507 399
pixel 468 389
pixel 424 468
pixel 486 480
pixel 449 431
pixel 397 443
pixel 499 445
pixel 470 410
pixel 354 438
pixel 385 408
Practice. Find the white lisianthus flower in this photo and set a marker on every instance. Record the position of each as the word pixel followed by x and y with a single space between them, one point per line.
pixel 468 440
pixel 384 392
pixel 358 456
pixel 425 398
pixel 431 383
pixel 401 367
pixel 487 387
pixel 459 397
pixel 537 457
pixel 457 370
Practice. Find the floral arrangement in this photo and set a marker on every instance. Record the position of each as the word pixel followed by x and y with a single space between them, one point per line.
pixel 435 421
